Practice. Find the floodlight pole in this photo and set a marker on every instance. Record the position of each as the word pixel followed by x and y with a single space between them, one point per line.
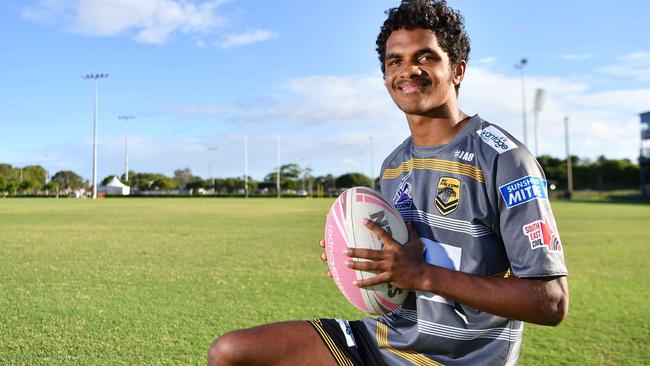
pixel 212 149
pixel 569 161
pixel 95 77
pixel 126 145
pixel 246 166
pixel 277 174
pixel 537 107
pixel 520 66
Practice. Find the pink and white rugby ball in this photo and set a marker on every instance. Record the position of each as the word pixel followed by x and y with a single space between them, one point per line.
pixel 344 228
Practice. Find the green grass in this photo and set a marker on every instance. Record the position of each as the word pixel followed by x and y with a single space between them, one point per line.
pixel 154 281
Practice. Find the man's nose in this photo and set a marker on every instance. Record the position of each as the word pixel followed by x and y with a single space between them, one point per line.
pixel 410 69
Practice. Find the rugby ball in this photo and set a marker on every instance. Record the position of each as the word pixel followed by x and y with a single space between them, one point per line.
pixel 344 229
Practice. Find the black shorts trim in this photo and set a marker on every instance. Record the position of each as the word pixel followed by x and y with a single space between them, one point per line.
pixel 365 351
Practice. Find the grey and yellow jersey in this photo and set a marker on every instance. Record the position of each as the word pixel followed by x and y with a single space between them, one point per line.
pixel 480 205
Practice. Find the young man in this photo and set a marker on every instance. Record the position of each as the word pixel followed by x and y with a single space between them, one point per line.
pixel 484 254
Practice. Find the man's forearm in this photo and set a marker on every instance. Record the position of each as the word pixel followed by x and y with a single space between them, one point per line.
pixel 542 301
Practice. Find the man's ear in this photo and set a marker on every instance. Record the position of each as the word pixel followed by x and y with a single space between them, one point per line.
pixel 459 72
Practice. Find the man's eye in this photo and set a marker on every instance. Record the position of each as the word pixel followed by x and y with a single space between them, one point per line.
pixel 426 58
pixel 392 62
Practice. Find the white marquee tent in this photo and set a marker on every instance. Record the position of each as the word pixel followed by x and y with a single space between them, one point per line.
pixel 115 188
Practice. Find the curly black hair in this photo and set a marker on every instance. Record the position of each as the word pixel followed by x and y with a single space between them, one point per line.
pixel 447 24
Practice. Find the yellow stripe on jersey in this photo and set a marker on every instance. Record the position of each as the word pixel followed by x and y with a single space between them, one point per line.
pixel 438 165
pixel 415 358
pixel 505 274
pixel 340 358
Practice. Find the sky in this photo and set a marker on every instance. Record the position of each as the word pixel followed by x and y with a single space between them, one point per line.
pixel 200 77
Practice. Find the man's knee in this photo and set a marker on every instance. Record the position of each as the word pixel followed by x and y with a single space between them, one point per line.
pixel 226 350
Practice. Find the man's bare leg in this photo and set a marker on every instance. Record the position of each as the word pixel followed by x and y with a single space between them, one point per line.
pixel 287 343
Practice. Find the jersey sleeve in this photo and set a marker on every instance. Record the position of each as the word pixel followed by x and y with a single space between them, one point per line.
pixel 526 223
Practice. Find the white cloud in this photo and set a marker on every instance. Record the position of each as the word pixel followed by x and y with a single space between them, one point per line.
pixel 601 123
pixel 576 56
pixel 635 65
pixel 337 114
pixel 234 40
pixel 316 101
pixel 148 21
pixel 326 121
pixel 484 61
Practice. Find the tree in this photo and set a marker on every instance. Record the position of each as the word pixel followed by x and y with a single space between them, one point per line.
pixel 144 181
pixel 350 180
pixel 183 176
pixel 68 178
pixel 196 184
pixel 8 172
pixel 37 174
pixel 27 186
pixel 289 176
pixel 164 184
pixel 326 184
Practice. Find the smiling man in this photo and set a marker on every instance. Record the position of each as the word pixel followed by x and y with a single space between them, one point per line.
pixel 484 254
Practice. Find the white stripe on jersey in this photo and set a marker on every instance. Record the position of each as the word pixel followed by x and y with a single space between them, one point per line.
pixel 446 331
pixel 440 222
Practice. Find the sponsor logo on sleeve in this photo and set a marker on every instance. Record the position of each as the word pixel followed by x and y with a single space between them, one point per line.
pixel 496 139
pixel 541 235
pixel 448 195
pixel 403 199
pixel 523 190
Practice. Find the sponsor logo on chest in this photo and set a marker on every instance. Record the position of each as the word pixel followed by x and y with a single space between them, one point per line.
pixel 523 190
pixel 496 139
pixel 447 195
pixel 540 234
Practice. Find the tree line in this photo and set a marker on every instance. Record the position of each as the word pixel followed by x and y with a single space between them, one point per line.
pixel 598 174
pixel 34 180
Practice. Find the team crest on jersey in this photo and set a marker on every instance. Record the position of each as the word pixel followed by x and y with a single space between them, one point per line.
pixel 403 198
pixel 448 195
pixel 540 234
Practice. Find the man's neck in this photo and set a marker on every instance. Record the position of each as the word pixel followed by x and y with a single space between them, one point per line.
pixel 438 129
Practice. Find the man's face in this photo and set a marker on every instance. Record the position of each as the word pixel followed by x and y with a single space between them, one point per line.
pixel 418 75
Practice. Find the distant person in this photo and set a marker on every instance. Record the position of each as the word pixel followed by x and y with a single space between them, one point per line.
pixel 484 253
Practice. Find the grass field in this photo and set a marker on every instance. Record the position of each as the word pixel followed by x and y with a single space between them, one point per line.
pixel 154 281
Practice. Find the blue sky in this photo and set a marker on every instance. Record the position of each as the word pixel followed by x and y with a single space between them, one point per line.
pixel 207 73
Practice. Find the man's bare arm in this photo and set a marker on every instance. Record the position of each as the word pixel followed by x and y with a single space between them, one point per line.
pixel 536 300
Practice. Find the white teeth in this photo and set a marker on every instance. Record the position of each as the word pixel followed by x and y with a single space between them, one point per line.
pixel 410 88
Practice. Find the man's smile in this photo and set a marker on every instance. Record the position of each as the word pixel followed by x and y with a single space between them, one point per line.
pixel 412 85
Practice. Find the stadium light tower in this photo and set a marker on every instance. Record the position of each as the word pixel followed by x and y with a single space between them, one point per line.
pixel 212 149
pixel 523 62
pixel 537 107
pixel 95 77
pixel 126 145
pixel 246 166
pixel 569 162
pixel 277 175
